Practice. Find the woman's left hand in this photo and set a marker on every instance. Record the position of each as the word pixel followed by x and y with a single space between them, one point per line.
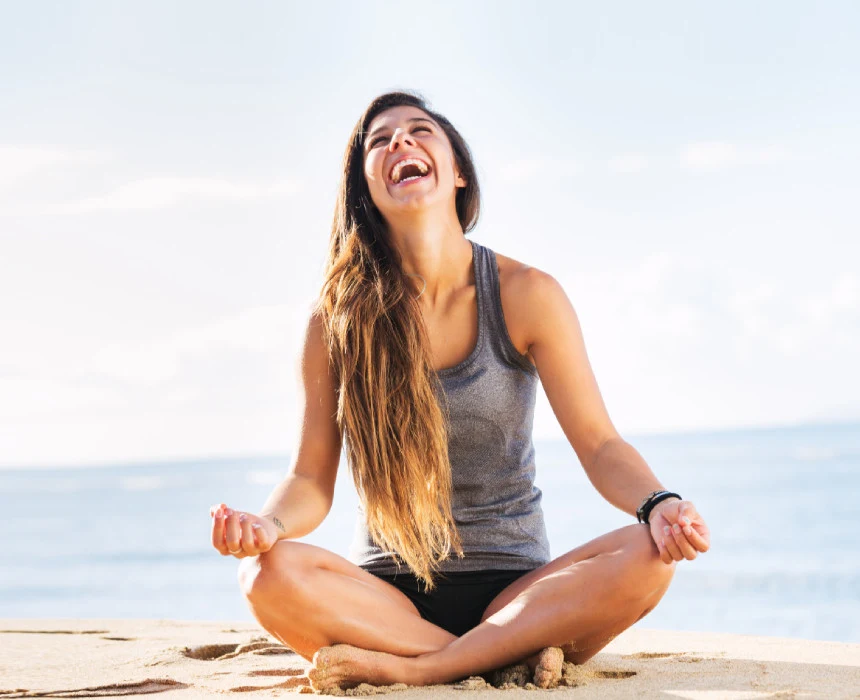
pixel 678 530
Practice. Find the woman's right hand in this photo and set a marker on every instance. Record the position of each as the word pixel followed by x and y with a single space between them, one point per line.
pixel 241 534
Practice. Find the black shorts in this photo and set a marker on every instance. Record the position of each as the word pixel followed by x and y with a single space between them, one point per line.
pixel 460 597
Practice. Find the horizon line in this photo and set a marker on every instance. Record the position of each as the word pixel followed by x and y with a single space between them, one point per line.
pixel 225 457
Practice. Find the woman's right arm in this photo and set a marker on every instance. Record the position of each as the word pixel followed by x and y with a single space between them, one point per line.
pixel 302 500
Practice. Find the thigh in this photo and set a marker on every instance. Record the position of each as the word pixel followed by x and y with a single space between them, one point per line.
pixel 290 557
pixel 309 597
pixel 635 537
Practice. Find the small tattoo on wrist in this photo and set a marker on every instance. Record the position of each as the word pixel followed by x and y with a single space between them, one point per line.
pixel 278 523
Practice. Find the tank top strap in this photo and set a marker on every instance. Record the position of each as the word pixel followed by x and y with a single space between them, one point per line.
pixel 484 261
pixel 494 317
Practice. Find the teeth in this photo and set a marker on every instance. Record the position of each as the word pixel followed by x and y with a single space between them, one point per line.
pixel 395 172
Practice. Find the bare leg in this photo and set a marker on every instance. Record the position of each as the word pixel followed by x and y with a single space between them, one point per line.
pixel 578 602
pixel 309 597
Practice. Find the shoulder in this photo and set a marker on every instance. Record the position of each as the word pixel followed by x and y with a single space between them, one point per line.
pixel 530 299
pixel 519 278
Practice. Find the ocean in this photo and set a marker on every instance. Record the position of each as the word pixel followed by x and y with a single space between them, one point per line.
pixel 134 540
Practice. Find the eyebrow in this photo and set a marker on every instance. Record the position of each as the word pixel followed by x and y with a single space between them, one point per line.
pixel 380 129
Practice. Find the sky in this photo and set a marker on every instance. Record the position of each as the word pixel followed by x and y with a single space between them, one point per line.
pixel 168 173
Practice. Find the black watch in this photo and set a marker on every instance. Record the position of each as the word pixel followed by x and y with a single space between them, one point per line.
pixel 651 500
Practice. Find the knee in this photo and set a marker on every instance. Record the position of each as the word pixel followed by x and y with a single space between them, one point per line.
pixel 655 574
pixel 283 569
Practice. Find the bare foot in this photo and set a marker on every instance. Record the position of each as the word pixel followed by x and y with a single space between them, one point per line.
pixel 345 666
pixel 548 669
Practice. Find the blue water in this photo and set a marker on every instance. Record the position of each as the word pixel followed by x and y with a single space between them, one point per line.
pixel 134 540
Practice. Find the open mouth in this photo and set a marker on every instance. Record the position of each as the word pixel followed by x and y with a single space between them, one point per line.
pixel 412 178
pixel 409 170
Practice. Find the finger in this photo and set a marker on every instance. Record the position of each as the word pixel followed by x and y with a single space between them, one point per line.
pixel 218 532
pixel 232 532
pixel 657 523
pixel 665 557
pixel 670 544
pixel 696 539
pixel 681 540
pixel 686 518
pixel 248 544
pixel 694 527
pixel 263 544
pixel 687 513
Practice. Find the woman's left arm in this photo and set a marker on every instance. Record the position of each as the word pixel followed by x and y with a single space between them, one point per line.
pixel 614 467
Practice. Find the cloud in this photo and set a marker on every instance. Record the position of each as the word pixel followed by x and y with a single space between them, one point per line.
pixel 17 162
pixel 532 168
pixel 675 306
pixel 273 330
pixel 162 192
pixel 627 163
pixel 719 155
pixel 38 396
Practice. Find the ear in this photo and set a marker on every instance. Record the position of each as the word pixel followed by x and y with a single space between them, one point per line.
pixel 460 181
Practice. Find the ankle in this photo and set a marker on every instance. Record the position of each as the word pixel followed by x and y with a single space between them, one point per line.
pixel 420 669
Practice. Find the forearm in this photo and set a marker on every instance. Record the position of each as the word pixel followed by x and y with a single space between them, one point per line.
pixel 296 506
pixel 621 475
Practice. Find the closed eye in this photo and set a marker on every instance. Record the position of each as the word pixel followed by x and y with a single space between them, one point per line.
pixel 383 138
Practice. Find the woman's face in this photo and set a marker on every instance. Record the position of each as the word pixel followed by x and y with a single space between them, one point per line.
pixel 408 132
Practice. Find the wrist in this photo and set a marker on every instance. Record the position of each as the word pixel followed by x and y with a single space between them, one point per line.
pixel 274 523
pixel 651 501
pixel 659 506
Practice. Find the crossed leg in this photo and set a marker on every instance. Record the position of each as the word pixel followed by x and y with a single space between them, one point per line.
pixel 310 598
pixel 578 602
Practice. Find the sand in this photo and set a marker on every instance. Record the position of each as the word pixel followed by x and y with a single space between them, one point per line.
pixel 187 659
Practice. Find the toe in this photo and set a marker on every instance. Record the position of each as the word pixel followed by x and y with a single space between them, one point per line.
pixel 548 671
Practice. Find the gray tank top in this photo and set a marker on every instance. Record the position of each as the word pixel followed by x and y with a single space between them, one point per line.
pixel 491 399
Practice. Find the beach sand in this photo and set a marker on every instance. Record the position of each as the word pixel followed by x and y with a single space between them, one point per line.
pixel 189 659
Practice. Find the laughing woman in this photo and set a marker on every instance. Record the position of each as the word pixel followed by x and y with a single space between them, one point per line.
pixel 421 358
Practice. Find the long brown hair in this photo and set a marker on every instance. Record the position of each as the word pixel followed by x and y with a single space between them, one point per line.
pixel 390 407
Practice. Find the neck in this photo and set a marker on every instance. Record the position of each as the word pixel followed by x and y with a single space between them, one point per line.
pixel 441 258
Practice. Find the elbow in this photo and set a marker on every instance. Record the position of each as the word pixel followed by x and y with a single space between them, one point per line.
pixel 597 453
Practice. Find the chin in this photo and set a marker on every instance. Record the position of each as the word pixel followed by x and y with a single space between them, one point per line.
pixel 414 200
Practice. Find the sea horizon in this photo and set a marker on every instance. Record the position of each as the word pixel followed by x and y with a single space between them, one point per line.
pixel 133 540
pixel 269 454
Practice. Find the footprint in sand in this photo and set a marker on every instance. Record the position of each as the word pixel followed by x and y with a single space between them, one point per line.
pixel 118 639
pixel 257 645
pixel 221 652
pixel 297 679
pixel 684 656
pixel 651 655
pixel 150 685
pixel 54 631
pixel 615 674
pixel 295 682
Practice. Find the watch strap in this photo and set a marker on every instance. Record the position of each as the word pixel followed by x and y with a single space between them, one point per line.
pixel 644 511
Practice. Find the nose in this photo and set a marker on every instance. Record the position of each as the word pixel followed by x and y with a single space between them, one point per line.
pixel 398 136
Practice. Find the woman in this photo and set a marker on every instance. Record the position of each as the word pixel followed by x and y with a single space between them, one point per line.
pixel 422 354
